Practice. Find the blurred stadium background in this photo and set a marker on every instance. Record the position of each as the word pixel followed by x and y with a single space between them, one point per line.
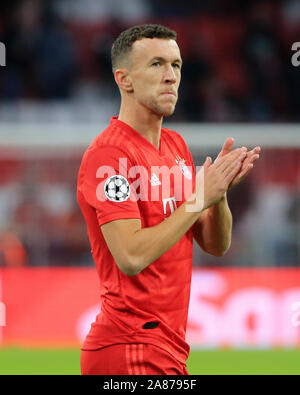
pixel 57 93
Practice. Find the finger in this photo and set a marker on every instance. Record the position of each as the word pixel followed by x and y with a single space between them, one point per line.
pixel 225 162
pixel 256 150
pixel 220 159
pixel 232 170
pixel 248 165
pixel 243 173
pixel 227 146
pixel 207 163
pixel 251 158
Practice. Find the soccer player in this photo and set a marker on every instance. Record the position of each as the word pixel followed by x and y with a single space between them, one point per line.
pixel 143 205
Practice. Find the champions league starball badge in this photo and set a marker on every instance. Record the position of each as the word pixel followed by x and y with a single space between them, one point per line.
pixel 117 188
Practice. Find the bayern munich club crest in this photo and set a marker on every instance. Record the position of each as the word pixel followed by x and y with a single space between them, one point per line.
pixel 117 188
pixel 183 167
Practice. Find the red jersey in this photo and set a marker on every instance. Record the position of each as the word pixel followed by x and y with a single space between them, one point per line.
pixel 123 175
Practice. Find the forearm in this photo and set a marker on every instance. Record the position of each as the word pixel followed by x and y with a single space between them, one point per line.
pixel 148 244
pixel 213 229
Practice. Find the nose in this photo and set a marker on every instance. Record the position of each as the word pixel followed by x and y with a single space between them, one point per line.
pixel 170 75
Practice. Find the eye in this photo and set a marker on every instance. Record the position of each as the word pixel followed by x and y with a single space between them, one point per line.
pixel 176 65
pixel 155 64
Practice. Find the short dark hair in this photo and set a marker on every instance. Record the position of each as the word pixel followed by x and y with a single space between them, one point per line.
pixel 123 44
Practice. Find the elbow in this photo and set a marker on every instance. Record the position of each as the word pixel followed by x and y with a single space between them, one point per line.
pixel 218 251
pixel 129 271
pixel 129 266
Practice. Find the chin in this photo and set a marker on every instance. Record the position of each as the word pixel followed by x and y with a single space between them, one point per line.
pixel 162 110
pixel 166 112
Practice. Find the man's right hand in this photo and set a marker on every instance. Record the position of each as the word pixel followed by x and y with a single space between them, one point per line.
pixel 214 178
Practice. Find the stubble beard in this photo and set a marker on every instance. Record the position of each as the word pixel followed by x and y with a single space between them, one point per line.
pixel 161 110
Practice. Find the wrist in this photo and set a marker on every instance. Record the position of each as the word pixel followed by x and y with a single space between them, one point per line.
pixel 224 197
pixel 220 204
pixel 194 204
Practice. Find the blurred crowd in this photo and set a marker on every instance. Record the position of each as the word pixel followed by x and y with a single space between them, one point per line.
pixel 40 221
pixel 237 55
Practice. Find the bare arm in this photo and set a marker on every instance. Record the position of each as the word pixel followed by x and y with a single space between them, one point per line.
pixel 212 231
pixel 134 248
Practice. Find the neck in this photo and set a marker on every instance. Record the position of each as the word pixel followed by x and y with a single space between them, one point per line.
pixel 143 121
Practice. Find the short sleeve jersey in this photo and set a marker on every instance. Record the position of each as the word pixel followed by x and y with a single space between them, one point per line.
pixel 123 176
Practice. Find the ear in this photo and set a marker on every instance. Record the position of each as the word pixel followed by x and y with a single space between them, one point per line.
pixel 123 80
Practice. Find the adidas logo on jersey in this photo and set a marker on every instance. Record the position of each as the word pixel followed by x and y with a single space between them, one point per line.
pixel 155 180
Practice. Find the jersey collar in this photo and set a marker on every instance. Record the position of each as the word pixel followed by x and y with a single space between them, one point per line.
pixel 138 137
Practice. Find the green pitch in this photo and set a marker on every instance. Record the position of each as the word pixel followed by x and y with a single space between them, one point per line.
pixel 26 362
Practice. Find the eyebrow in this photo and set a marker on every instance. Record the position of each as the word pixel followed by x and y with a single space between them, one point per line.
pixel 178 60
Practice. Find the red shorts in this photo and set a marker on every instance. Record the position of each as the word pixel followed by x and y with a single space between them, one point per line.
pixel 130 359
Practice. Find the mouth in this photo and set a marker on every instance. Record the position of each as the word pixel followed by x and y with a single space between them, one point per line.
pixel 169 93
